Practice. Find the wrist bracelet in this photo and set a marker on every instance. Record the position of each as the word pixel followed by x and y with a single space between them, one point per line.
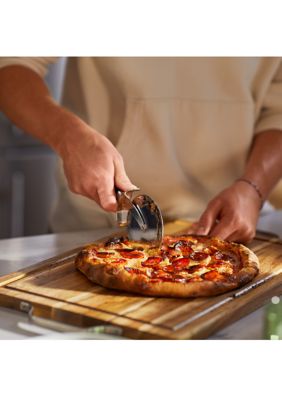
pixel 255 186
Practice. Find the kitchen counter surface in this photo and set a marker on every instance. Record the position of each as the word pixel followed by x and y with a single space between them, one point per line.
pixel 18 253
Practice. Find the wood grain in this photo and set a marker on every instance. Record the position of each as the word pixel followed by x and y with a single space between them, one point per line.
pixel 58 291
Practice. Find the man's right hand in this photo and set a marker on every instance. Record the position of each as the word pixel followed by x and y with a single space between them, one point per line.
pixel 93 166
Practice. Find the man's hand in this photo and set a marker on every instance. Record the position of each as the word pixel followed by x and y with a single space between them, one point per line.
pixel 93 166
pixel 232 214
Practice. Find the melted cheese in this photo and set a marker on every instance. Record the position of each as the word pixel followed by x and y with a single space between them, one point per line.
pixel 201 271
pixel 198 246
pixel 225 269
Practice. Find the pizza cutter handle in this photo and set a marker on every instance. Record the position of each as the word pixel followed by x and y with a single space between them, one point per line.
pixel 124 200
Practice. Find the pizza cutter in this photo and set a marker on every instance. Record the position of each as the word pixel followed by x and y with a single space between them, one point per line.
pixel 141 216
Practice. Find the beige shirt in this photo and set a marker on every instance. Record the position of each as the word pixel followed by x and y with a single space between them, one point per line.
pixel 182 125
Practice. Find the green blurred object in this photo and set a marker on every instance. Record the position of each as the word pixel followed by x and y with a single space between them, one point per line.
pixel 273 319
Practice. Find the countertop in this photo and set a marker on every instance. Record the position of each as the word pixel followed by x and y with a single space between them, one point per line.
pixel 18 253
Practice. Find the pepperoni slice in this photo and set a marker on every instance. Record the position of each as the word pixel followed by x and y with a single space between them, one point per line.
pixel 125 250
pixel 95 260
pixel 194 268
pixel 130 253
pixel 179 251
pixel 171 253
pixel 186 251
pixel 152 261
pixel 118 261
pixel 162 276
pixel 159 273
pixel 134 271
pixel 217 264
pixel 198 256
pixel 213 276
pixel 170 240
pixel 223 256
pixel 196 279
pixel 180 263
pixel 169 268
pixel 172 258
pixel 104 254
pixel 167 279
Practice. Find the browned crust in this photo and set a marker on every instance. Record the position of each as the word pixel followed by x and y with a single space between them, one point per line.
pixel 250 265
pixel 118 278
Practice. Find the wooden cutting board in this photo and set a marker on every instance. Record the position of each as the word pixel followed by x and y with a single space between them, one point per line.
pixel 55 290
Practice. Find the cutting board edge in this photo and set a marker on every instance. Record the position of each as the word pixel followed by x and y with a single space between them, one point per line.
pixel 47 308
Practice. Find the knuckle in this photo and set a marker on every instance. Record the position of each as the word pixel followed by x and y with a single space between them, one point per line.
pixel 103 191
pixel 108 205
pixel 247 235
pixel 250 233
pixel 237 221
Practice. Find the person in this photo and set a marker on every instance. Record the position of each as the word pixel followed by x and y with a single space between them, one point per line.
pixel 202 136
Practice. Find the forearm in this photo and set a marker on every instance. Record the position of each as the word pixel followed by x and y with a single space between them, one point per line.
pixel 264 164
pixel 25 100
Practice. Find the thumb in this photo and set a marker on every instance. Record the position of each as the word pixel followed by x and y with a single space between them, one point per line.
pixel 208 218
pixel 122 181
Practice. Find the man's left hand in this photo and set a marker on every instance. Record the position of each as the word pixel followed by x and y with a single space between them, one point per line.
pixel 232 214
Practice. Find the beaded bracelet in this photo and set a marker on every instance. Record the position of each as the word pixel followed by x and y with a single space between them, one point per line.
pixel 255 186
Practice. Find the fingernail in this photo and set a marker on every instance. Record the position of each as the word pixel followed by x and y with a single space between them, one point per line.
pixel 134 188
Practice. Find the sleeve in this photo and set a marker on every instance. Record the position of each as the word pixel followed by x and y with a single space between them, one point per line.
pixel 270 116
pixel 37 64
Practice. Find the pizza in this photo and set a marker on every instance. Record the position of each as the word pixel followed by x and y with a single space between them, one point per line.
pixel 184 266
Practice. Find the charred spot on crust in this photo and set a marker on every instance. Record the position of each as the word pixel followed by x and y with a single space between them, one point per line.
pixel 80 257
